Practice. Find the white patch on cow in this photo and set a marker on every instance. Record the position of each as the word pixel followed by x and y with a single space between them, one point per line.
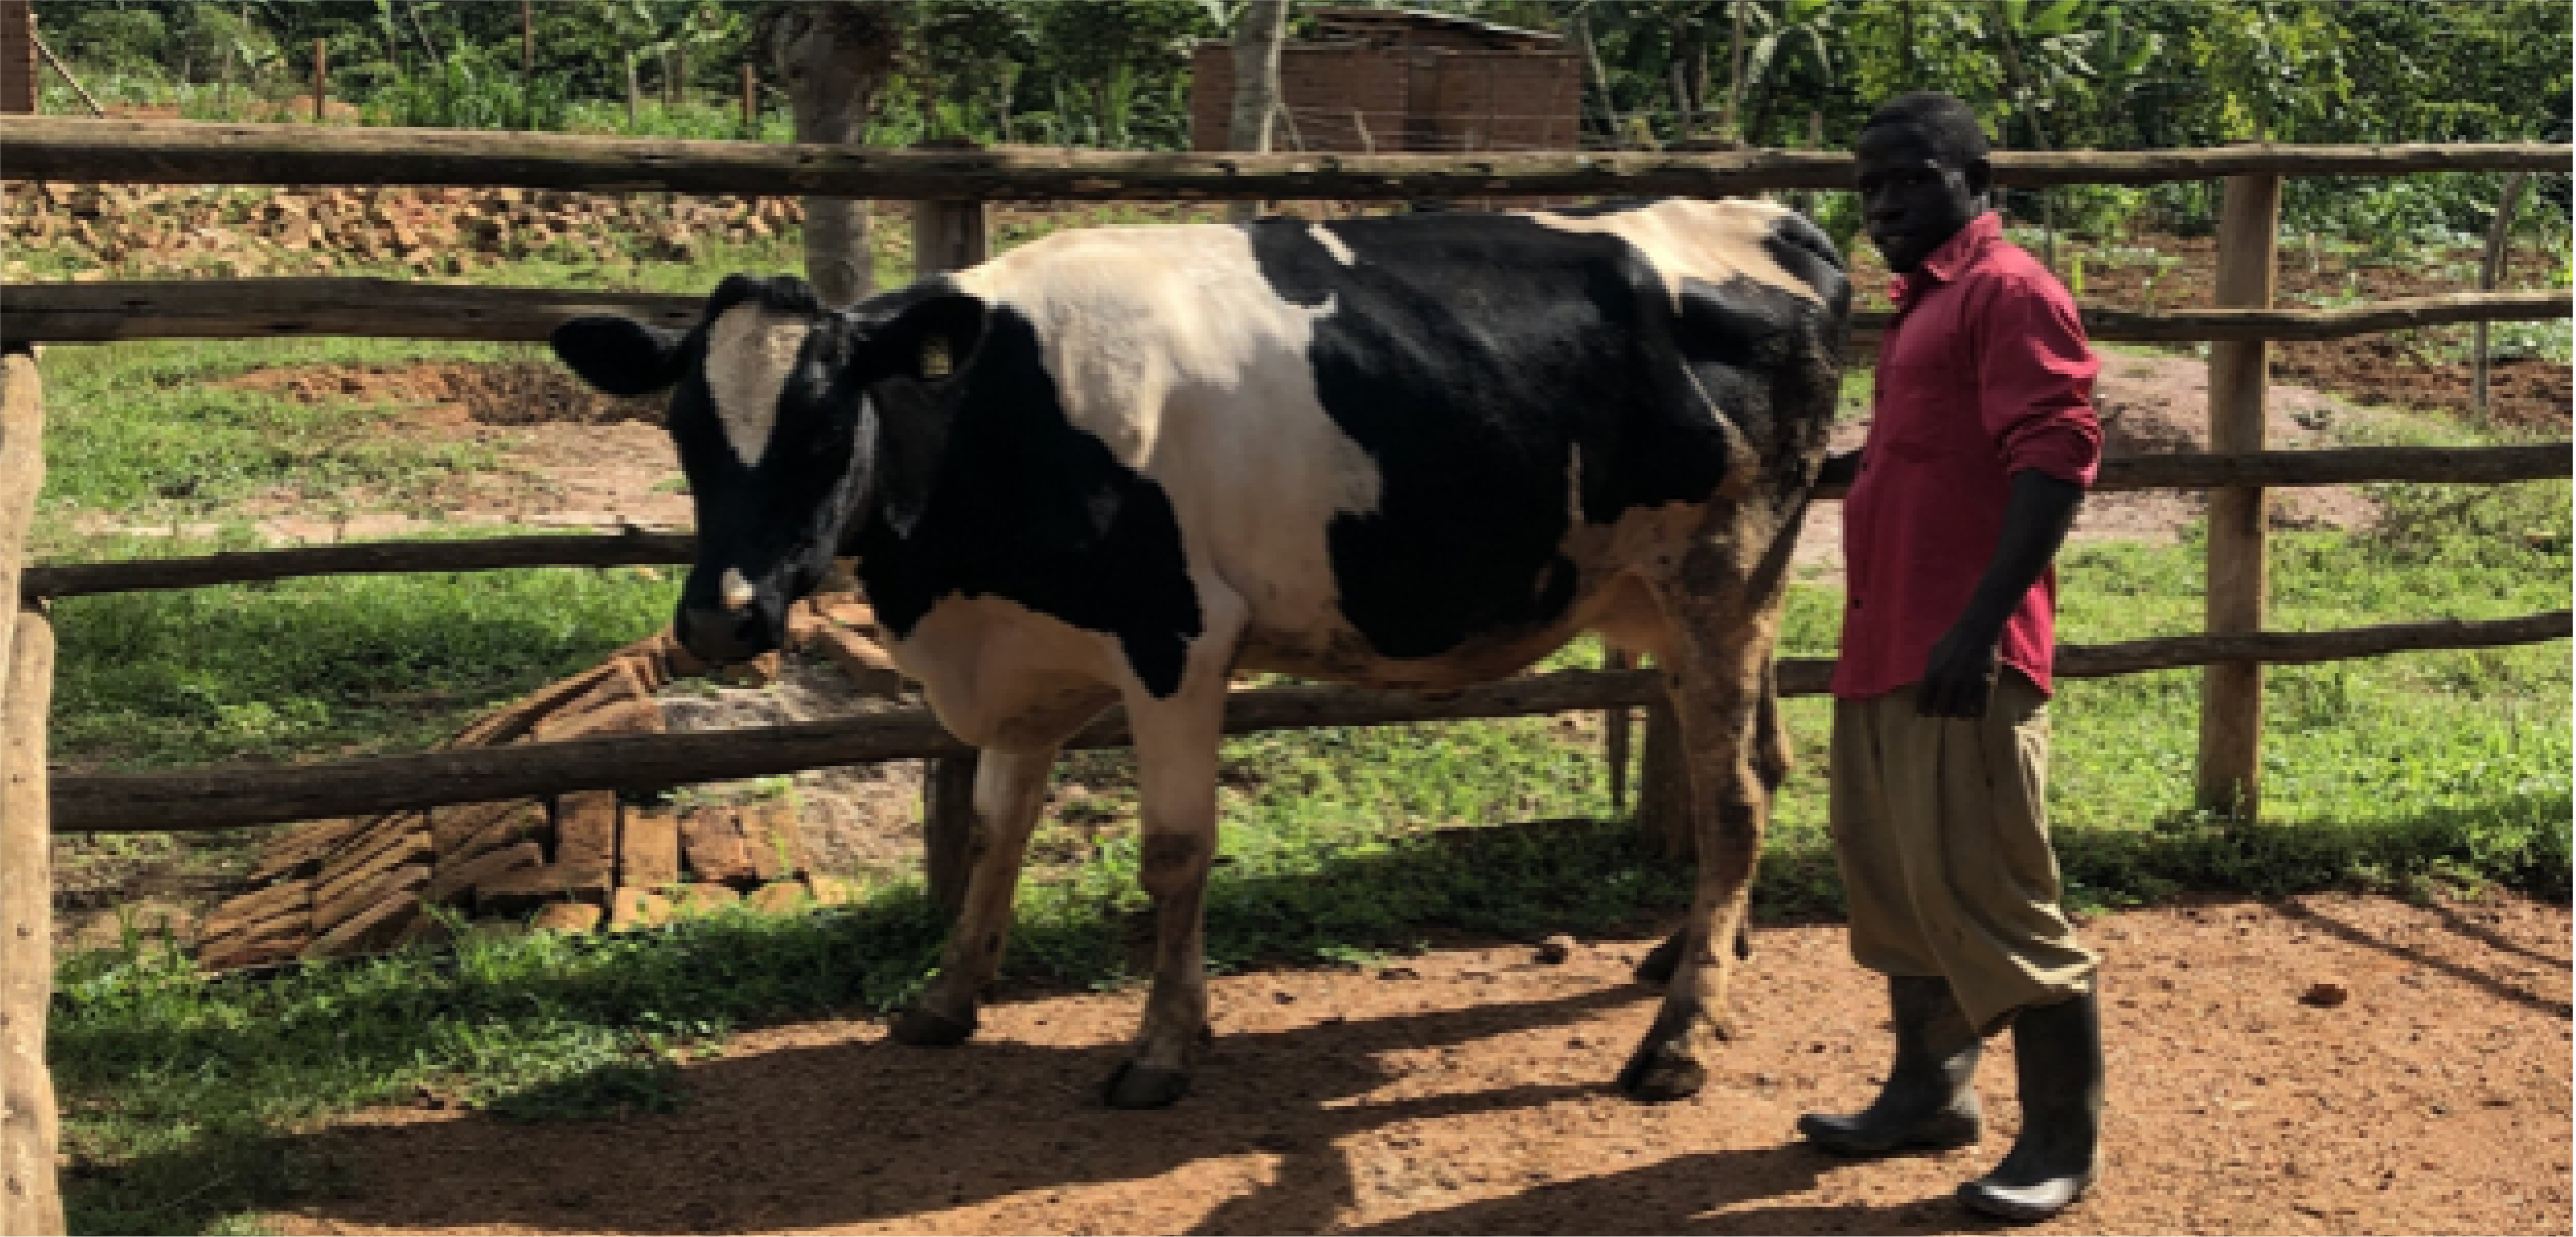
pixel 1333 244
pixel 735 591
pixel 1168 345
pixel 1690 238
pixel 750 352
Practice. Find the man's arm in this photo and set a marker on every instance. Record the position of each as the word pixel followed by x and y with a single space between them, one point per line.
pixel 1960 674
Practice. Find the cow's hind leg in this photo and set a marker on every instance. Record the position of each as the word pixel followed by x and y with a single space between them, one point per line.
pixel 1771 764
pixel 1010 791
pixel 1724 627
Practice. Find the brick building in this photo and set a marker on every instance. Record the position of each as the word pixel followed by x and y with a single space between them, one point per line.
pixel 1393 79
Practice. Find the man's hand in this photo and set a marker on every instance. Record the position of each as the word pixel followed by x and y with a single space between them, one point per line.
pixel 1959 677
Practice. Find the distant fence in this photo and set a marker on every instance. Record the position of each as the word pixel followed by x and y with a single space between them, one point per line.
pixel 948 185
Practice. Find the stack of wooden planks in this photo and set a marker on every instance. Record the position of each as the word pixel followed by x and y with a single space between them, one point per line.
pixel 575 862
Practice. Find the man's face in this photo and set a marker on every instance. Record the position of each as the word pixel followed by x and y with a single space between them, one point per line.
pixel 1911 200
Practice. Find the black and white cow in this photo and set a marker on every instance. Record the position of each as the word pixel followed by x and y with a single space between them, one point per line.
pixel 1118 465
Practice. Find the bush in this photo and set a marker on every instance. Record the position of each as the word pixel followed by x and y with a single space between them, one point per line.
pixel 471 89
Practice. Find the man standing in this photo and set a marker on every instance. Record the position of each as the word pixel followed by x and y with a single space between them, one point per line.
pixel 1983 441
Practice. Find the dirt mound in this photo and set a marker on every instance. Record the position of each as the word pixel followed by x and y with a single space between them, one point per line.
pixel 1467 1091
pixel 488 393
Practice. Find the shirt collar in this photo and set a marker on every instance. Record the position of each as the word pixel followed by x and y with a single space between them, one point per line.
pixel 1956 254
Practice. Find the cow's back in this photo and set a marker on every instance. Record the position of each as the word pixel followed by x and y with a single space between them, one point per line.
pixel 1391 436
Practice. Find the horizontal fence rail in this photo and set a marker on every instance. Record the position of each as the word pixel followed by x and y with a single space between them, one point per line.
pixel 107 312
pixel 363 306
pixel 637 547
pixel 192 152
pixel 230 796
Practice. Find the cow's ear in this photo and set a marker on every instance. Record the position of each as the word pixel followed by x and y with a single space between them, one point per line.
pixel 932 340
pixel 619 356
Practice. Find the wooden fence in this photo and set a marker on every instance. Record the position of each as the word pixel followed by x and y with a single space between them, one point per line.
pixel 949 187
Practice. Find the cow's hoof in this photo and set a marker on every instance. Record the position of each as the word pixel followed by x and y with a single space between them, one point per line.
pixel 1658 965
pixel 1661 1072
pixel 924 1028
pixel 1144 1086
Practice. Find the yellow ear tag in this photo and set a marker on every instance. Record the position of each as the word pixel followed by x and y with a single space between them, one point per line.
pixel 934 359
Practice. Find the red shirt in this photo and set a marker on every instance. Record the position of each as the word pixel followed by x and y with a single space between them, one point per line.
pixel 1985 372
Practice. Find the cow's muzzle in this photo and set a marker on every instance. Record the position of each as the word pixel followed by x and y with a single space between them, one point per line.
pixel 724 637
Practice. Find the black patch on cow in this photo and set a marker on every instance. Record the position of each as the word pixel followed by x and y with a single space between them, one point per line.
pixel 1492 367
pixel 1021 504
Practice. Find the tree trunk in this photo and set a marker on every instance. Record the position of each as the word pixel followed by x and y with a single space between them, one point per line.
pixel 1734 69
pixel 1258 33
pixel 833 58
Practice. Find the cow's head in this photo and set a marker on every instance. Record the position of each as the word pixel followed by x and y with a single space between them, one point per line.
pixel 793 421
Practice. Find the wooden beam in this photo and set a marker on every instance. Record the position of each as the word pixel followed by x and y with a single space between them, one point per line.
pixel 633 547
pixel 30 1201
pixel 227 796
pixel 2111 324
pixel 196 152
pixel 111 311
pixel 949 235
pixel 2349 466
pixel 30 1124
pixel 106 312
pixel 2231 701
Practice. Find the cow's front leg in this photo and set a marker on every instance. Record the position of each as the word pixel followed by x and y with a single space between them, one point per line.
pixel 1010 791
pixel 1176 756
pixel 1717 678
pixel 1176 752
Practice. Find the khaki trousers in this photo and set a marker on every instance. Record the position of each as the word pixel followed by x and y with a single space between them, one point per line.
pixel 1941 831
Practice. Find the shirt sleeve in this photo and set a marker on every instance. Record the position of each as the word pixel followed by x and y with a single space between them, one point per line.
pixel 2035 372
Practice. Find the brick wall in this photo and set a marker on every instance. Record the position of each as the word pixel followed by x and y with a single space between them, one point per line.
pixel 1504 101
pixel 17 56
pixel 1344 97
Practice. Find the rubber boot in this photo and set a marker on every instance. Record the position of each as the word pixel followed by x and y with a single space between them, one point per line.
pixel 1930 1100
pixel 2058 1051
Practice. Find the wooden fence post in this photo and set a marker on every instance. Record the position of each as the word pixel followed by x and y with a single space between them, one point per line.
pixel 2231 704
pixel 750 101
pixel 2499 239
pixel 30 1201
pixel 948 236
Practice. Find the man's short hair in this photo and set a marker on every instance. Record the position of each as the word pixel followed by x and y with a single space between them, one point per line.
pixel 1949 124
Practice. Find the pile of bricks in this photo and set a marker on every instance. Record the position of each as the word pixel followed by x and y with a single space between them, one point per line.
pixel 148 229
pixel 575 862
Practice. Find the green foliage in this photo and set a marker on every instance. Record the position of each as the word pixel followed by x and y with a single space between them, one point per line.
pixel 471 88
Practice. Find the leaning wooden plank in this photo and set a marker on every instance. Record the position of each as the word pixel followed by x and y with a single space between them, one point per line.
pixel 30 1201
pixel 338 907
pixel 522 717
pixel 300 851
pixel 371 928
pixel 191 152
pixel 226 796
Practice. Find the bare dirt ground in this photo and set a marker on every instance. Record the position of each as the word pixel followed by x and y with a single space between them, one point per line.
pixel 1464 1092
